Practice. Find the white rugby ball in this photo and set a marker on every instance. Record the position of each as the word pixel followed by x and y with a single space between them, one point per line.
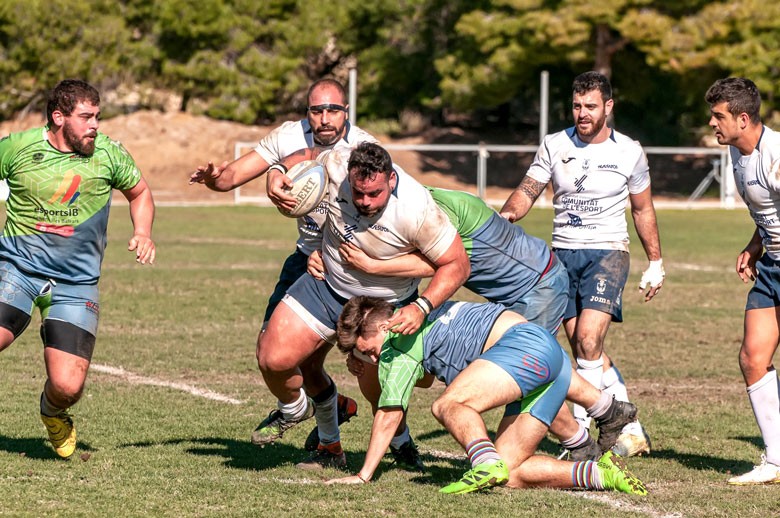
pixel 310 181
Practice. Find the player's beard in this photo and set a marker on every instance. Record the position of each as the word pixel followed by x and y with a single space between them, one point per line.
pixel 595 126
pixel 328 140
pixel 81 145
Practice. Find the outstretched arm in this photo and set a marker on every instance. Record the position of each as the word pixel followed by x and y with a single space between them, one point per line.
pixel 386 421
pixel 228 176
pixel 142 215
pixel 522 199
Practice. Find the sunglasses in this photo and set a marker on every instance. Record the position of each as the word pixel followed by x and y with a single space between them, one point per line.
pixel 318 109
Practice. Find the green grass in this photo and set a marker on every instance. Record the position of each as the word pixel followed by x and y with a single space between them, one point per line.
pixel 193 318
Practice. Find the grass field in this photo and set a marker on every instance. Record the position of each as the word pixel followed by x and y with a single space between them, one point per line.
pixel 168 434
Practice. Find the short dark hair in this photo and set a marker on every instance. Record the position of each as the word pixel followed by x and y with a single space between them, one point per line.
pixel 740 95
pixel 360 317
pixel 368 159
pixel 589 81
pixel 327 81
pixel 67 94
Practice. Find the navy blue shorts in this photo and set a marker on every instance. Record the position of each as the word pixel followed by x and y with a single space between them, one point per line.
pixel 319 306
pixel 596 280
pixel 766 290
pixel 292 269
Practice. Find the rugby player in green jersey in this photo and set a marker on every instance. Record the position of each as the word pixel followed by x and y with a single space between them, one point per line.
pixel 489 357
pixel 60 179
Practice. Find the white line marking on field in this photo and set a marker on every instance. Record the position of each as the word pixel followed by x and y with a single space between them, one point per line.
pixel 144 380
pixel 699 267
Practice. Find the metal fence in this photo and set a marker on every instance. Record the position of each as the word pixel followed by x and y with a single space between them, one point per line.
pixel 719 158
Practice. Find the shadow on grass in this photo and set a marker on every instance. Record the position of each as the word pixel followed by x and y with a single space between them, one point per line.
pixel 36 448
pixel 246 456
pixel 727 466
pixel 237 454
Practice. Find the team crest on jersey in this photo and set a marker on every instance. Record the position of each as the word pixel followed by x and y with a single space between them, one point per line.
pixel 574 220
pixel 586 165
pixel 601 286
pixel 37 157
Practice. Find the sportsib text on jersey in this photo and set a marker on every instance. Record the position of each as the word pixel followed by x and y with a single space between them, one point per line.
pixel 74 212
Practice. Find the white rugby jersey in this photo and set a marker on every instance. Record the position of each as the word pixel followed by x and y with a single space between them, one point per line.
pixel 411 221
pixel 591 184
pixel 756 178
pixel 290 137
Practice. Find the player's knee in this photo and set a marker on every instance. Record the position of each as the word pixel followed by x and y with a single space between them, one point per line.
pixel 589 348
pixel 441 408
pixel 67 392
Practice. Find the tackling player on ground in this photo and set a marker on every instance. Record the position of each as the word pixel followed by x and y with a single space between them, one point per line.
pixel 489 357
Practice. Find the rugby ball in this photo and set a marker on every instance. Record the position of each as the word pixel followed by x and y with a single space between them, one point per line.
pixel 310 181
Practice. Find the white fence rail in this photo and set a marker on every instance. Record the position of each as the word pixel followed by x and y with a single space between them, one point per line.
pixel 720 172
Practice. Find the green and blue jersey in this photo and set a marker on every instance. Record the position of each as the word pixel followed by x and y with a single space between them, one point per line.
pixel 57 212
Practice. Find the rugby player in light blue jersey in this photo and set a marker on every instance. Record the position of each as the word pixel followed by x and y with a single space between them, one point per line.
pixel 594 171
pixel 60 179
pixel 489 357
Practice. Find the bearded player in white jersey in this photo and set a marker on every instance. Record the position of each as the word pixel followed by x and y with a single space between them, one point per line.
pixel 735 105
pixel 384 211
pixel 594 170
pixel 326 126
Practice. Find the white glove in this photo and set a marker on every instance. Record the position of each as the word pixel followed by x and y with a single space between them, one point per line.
pixel 654 275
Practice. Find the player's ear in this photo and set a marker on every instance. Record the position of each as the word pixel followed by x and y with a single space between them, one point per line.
pixel 58 117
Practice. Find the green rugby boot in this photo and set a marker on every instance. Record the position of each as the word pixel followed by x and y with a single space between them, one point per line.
pixel 481 476
pixel 615 475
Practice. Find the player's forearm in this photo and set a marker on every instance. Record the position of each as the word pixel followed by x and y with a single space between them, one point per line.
pixel 142 212
pixel 409 265
pixel 522 199
pixel 647 230
pixel 386 422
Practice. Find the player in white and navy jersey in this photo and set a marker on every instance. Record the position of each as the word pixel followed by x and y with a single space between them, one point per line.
pixel 735 105
pixel 326 126
pixel 594 171
pixel 388 213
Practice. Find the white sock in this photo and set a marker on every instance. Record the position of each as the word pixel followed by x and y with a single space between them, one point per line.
pixel 296 409
pixel 592 371
pixel 764 397
pixel 327 419
pixel 400 439
pixel 578 439
pixel 601 406
pixel 612 382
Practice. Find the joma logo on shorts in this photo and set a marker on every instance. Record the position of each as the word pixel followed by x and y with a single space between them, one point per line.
pixel 600 300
